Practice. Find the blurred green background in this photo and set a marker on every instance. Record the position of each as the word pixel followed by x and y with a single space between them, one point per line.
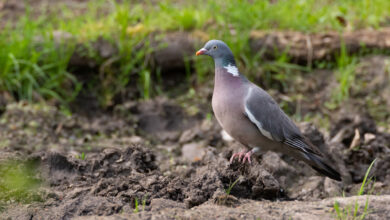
pixel 38 39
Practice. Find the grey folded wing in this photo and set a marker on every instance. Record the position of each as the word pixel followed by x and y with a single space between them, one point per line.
pixel 272 122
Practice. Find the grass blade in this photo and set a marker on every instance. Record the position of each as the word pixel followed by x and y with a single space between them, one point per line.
pixel 365 178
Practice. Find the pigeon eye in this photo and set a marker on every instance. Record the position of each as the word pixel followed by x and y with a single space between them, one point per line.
pixel 215 47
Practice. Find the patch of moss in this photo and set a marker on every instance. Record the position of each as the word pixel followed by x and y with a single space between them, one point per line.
pixel 19 182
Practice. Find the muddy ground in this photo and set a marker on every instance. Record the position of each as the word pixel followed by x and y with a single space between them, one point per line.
pixel 167 158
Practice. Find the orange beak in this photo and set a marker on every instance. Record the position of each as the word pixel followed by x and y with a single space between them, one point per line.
pixel 201 51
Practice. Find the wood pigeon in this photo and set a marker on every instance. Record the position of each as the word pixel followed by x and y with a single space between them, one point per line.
pixel 253 118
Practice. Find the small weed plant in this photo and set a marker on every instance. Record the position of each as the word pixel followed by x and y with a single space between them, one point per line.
pixel 352 211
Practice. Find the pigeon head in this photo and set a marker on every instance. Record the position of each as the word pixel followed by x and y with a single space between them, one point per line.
pixel 219 51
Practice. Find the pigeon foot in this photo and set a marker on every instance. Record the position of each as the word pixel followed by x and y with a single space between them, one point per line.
pixel 244 156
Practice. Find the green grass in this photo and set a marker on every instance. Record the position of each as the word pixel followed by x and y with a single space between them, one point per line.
pixel 81 156
pixel 345 75
pixel 352 212
pixel 229 189
pixel 35 68
pixel 136 204
pixel 38 70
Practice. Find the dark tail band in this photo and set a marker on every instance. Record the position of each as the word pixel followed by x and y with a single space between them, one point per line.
pixel 322 167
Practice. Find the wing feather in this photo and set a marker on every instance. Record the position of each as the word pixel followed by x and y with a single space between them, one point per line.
pixel 272 122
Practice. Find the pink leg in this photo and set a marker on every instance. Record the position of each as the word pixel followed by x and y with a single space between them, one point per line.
pixel 242 156
pixel 239 155
pixel 248 156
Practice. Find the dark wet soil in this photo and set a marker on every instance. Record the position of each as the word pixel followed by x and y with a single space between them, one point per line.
pixel 145 156
pixel 149 156
pixel 111 180
pixel 168 158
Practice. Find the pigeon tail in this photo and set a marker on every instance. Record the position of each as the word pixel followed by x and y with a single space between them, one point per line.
pixel 318 164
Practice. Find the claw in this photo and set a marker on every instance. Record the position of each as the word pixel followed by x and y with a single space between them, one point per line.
pixel 248 157
pixel 242 156
pixel 239 155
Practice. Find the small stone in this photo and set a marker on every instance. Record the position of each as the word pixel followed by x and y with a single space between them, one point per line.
pixel 368 137
pixel 193 151
pixel 135 139
pixel 188 135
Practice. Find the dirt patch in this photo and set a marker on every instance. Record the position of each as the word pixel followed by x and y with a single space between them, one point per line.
pixel 266 210
pixel 371 87
pixel 162 118
pixel 37 127
pixel 113 180
pixel 115 174
pixel 106 165
pixel 356 142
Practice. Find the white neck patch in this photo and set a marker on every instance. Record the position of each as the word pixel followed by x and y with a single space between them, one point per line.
pixel 232 69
